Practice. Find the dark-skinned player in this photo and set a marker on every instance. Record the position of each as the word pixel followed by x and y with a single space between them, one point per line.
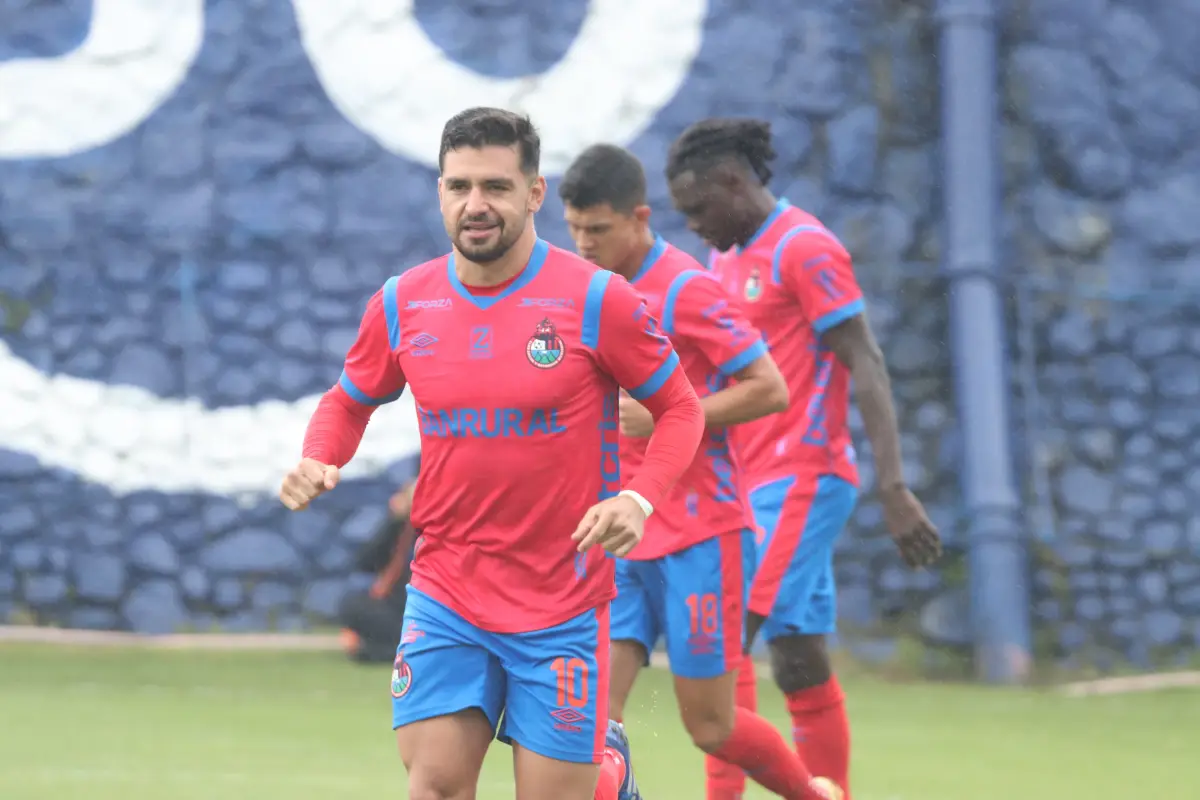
pixel 796 284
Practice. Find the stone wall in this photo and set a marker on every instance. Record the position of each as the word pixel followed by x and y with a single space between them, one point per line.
pixel 196 200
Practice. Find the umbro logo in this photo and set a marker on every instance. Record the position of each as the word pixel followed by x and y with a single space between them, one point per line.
pixel 421 344
pixel 568 719
pixel 568 715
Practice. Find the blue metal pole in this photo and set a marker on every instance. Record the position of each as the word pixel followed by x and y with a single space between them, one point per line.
pixel 997 557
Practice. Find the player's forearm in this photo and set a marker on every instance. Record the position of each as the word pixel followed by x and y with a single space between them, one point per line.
pixel 873 394
pixel 336 428
pixel 745 401
pixel 678 429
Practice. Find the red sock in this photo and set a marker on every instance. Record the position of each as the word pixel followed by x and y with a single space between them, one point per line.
pixel 761 751
pixel 725 781
pixel 821 731
pixel 612 775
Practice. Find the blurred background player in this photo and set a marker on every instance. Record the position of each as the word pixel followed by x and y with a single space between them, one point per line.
pixel 374 618
pixel 508 606
pixel 686 580
pixel 796 284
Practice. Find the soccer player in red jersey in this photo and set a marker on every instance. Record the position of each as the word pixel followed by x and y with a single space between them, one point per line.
pixel 684 582
pixel 795 283
pixel 514 352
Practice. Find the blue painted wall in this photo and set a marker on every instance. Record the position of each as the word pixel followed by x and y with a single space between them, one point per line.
pixel 196 205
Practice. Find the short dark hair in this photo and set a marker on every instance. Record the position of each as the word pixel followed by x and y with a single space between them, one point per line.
pixel 604 173
pixel 712 141
pixel 481 127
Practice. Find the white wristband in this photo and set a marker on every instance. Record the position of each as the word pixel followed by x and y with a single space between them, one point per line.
pixel 642 502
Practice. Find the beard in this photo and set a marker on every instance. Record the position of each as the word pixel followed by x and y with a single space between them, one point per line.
pixel 502 237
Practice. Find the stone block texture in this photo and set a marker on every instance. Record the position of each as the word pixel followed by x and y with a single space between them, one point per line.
pixel 196 202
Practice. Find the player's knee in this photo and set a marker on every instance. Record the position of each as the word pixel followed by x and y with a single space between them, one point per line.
pixel 425 785
pixel 708 724
pixel 799 662
pixel 439 778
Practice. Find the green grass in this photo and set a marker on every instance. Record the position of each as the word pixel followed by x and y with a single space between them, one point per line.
pixel 108 724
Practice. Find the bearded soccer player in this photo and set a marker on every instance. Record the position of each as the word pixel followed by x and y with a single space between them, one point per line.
pixel 514 352
pixel 795 282
pixel 684 583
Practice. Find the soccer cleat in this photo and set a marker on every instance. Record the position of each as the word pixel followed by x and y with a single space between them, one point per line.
pixel 826 788
pixel 617 741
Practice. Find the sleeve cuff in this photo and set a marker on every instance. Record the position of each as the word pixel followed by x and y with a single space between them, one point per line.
pixel 754 352
pixel 839 315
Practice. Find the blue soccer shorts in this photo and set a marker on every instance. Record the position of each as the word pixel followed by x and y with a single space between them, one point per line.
pixel 694 598
pixel 546 690
pixel 799 520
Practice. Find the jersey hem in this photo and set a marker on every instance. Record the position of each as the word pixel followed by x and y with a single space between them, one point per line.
pixel 706 537
pixel 849 474
pixel 436 594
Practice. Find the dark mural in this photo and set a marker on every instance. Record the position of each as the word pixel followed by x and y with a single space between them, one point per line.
pixel 195 204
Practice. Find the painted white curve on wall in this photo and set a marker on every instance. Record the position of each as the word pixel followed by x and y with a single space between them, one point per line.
pixel 384 73
pixel 135 55
pixel 129 440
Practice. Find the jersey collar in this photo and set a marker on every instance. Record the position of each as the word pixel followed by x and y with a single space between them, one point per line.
pixel 536 259
pixel 781 206
pixel 652 257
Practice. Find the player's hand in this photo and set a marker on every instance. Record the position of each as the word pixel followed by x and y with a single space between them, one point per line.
pixel 616 524
pixel 307 480
pixel 915 536
pixel 636 420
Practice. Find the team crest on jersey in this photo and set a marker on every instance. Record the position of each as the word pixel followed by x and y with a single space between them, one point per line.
pixel 753 289
pixel 545 348
pixel 401 677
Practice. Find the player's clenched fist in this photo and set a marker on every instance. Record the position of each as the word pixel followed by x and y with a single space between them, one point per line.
pixel 307 479
pixel 616 524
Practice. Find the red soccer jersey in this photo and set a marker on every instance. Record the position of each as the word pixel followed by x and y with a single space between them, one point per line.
pixel 516 395
pixel 713 340
pixel 795 282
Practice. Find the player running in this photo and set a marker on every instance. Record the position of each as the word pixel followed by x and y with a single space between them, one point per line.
pixel 514 351
pixel 795 283
pixel 684 582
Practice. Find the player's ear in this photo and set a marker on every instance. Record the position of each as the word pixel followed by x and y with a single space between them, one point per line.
pixel 537 194
pixel 642 214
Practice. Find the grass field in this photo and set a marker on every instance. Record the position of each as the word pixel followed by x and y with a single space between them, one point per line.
pixel 128 724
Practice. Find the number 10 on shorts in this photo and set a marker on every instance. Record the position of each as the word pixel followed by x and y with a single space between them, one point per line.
pixel 572 681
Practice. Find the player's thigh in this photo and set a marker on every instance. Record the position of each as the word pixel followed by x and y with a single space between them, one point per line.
pixel 795 580
pixel 704 606
pixel 539 777
pixel 558 682
pixel 444 666
pixel 444 755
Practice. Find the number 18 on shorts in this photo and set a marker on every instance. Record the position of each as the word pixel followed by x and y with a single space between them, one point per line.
pixel 694 598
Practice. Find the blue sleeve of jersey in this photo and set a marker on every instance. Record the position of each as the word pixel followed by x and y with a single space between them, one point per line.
pixel 625 336
pixel 697 310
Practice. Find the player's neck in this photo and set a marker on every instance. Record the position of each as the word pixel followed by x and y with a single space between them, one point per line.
pixel 633 263
pixel 505 268
pixel 763 205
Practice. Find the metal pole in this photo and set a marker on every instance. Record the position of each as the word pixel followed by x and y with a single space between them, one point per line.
pixel 998 560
